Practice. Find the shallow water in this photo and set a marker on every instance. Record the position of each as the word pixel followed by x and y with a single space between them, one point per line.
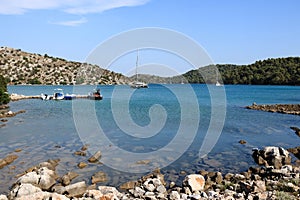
pixel 147 130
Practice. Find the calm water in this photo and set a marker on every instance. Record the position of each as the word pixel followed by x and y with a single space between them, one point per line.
pixel 51 129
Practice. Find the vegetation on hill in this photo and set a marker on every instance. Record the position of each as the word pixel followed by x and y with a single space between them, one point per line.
pixel 273 71
pixel 20 67
pixel 4 97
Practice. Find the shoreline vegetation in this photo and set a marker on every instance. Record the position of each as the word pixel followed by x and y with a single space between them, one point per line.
pixel 274 177
pixel 23 68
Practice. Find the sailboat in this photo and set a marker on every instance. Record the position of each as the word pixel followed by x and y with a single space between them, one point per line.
pixel 137 84
pixel 218 84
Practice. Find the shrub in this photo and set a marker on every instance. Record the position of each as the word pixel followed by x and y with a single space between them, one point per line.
pixel 4 97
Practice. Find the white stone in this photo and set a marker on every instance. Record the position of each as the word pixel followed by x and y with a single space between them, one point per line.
pixel 76 189
pixel 30 177
pixel 110 190
pixel 196 182
pixel 174 195
pixel 43 196
pixel 161 189
pixel 24 190
pixel 3 197
pixel 96 194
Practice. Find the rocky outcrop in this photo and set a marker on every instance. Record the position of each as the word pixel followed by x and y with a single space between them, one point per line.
pixel 293 109
pixel 272 156
pixel 296 129
pixel 295 151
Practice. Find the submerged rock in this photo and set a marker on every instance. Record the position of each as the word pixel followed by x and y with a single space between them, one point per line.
pixel 82 165
pixel 99 177
pixel 242 142
pixel 95 157
pixel 7 160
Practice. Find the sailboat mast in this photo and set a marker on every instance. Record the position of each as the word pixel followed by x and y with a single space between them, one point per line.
pixel 136 65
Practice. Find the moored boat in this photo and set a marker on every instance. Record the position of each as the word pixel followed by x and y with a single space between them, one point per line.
pixel 137 84
pixel 95 95
pixel 58 94
pixel 69 96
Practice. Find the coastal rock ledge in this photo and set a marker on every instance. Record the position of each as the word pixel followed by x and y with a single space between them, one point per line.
pixel 293 109
pixel 276 178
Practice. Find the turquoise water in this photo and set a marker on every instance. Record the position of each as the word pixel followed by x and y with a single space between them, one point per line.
pixel 49 129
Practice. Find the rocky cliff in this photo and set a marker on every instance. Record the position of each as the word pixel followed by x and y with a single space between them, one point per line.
pixel 20 67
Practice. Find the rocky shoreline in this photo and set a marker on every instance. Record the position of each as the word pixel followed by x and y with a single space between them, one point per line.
pixel 6 113
pixel 275 177
pixel 293 109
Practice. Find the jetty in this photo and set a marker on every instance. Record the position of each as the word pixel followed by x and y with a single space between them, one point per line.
pixel 17 97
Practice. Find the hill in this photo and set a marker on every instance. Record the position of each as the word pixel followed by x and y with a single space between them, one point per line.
pixel 273 71
pixel 20 67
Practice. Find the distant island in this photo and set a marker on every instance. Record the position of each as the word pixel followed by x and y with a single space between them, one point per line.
pixel 19 67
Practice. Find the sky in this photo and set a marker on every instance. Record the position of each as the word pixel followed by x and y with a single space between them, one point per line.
pixel 229 31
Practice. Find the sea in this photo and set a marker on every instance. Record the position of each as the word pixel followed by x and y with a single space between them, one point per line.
pixel 178 128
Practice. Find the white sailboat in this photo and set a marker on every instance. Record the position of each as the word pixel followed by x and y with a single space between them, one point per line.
pixel 218 84
pixel 137 84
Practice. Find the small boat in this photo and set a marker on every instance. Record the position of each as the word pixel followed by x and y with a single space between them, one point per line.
pixel 46 97
pixel 58 94
pixel 69 96
pixel 218 84
pixel 95 95
pixel 136 84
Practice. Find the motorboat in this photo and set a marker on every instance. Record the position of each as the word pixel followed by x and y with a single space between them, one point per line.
pixel 137 85
pixel 46 96
pixel 95 95
pixel 58 94
pixel 69 96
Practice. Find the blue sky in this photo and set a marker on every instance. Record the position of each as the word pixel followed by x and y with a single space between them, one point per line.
pixel 231 31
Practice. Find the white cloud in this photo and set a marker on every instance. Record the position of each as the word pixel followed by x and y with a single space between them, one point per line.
pixel 71 22
pixel 70 6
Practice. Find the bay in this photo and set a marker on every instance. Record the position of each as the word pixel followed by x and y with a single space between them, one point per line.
pixel 142 124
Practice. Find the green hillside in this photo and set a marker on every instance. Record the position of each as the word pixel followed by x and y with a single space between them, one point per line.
pixel 273 71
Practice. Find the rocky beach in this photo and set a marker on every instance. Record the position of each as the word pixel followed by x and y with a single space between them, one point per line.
pixel 274 177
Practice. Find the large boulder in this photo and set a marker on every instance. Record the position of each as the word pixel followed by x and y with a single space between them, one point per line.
pixel 76 189
pixel 195 182
pixel 24 190
pixel 44 178
pixel 272 156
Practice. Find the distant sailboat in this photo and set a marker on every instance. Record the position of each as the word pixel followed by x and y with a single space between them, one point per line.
pixel 137 84
pixel 218 83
